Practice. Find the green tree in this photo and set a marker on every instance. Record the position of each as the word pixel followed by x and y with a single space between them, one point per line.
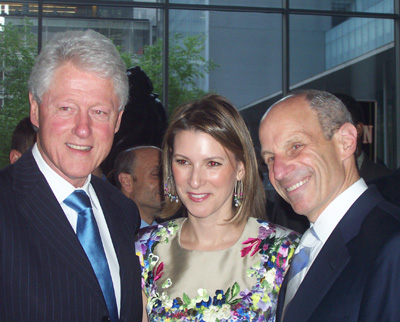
pixel 186 66
pixel 18 49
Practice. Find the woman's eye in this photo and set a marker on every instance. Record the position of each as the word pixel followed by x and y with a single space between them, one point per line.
pixel 181 162
pixel 214 163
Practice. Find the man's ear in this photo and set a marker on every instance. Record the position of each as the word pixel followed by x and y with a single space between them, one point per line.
pixel 117 125
pixel 14 155
pixel 34 110
pixel 126 181
pixel 347 138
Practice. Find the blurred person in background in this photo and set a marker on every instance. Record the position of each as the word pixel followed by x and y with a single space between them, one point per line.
pixel 137 174
pixel 368 169
pixel 23 138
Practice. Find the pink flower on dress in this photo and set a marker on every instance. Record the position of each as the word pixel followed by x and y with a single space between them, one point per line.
pixel 158 271
pixel 254 243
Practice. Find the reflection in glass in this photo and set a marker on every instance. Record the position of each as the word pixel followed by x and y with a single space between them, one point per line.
pixel 131 35
pixel 248 3
pixel 246 47
pixel 317 45
pixel 373 6
pixel 352 57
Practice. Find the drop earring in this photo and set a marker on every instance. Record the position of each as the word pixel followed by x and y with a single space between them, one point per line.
pixel 167 192
pixel 238 193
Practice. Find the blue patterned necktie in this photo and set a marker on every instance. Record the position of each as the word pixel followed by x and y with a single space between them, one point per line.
pixel 89 236
pixel 299 264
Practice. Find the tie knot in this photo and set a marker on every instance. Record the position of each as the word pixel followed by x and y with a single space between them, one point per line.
pixel 309 239
pixel 78 201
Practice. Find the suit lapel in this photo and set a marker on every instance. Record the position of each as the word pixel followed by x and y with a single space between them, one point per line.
pixel 49 224
pixel 328 265
pixel 120 233
pixel 330 262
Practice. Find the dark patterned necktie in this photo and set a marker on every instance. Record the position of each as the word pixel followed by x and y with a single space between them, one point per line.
pixel 89 236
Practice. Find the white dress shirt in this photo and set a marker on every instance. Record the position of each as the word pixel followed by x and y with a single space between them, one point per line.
pixel 330 217
pixel 323 227
pixel 62 189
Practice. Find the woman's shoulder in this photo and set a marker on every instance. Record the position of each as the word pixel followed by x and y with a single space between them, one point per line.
pixel 271 228
pixel 149 237
pixel 159 231
pixel 275 244
pixel 272 233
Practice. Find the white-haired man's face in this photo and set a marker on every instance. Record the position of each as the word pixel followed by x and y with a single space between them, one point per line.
pixel 77 119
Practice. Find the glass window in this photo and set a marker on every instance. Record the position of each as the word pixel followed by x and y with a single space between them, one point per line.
pixel 247 3
pixel 130 35
pixel 15 8
pixel 371 6
pixel 354 58
pixel 18 49
pixel 317 45
pixel 243 48
pixel 239 54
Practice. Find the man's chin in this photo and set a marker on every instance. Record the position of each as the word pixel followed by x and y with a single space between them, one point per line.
pixel 299 209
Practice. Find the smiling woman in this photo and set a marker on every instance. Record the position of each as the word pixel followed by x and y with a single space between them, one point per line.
pixel 218 262
pixel 205 174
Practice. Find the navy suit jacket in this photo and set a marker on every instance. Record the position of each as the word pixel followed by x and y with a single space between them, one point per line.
pixel 356 275
pixel 370 170
pixel 389 186
pixel 45 274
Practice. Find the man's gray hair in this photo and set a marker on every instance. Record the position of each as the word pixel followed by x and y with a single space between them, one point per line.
pixel 87 50
pixel 331 112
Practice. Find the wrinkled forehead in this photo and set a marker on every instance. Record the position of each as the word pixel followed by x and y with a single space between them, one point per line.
pixel 287 122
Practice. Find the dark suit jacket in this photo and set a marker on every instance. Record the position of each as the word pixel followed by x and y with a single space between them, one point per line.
pixel 44 272
pixel 389 186
pixel 356 275
pixel 371 170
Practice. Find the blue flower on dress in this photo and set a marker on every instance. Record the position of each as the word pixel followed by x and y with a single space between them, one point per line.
pixel 271 263
pixel 157 303
pixel 176 304
pixel 219 298
pixel 204 303
pixel 272 245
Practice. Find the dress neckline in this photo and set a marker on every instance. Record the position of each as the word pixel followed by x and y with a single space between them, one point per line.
pixel 240 239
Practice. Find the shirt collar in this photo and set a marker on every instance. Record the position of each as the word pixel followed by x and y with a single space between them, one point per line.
pixel 60 187
pixel 330 217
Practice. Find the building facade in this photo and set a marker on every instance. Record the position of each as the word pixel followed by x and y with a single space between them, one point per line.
pixel 263 48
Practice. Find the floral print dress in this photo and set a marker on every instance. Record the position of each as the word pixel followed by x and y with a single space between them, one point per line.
pixel 240 283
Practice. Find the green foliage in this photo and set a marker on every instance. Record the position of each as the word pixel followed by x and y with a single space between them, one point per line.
pixel 126 57
pixel 186 65
pixel 18 49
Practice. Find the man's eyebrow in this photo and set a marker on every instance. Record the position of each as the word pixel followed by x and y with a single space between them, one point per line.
pixel 264 152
